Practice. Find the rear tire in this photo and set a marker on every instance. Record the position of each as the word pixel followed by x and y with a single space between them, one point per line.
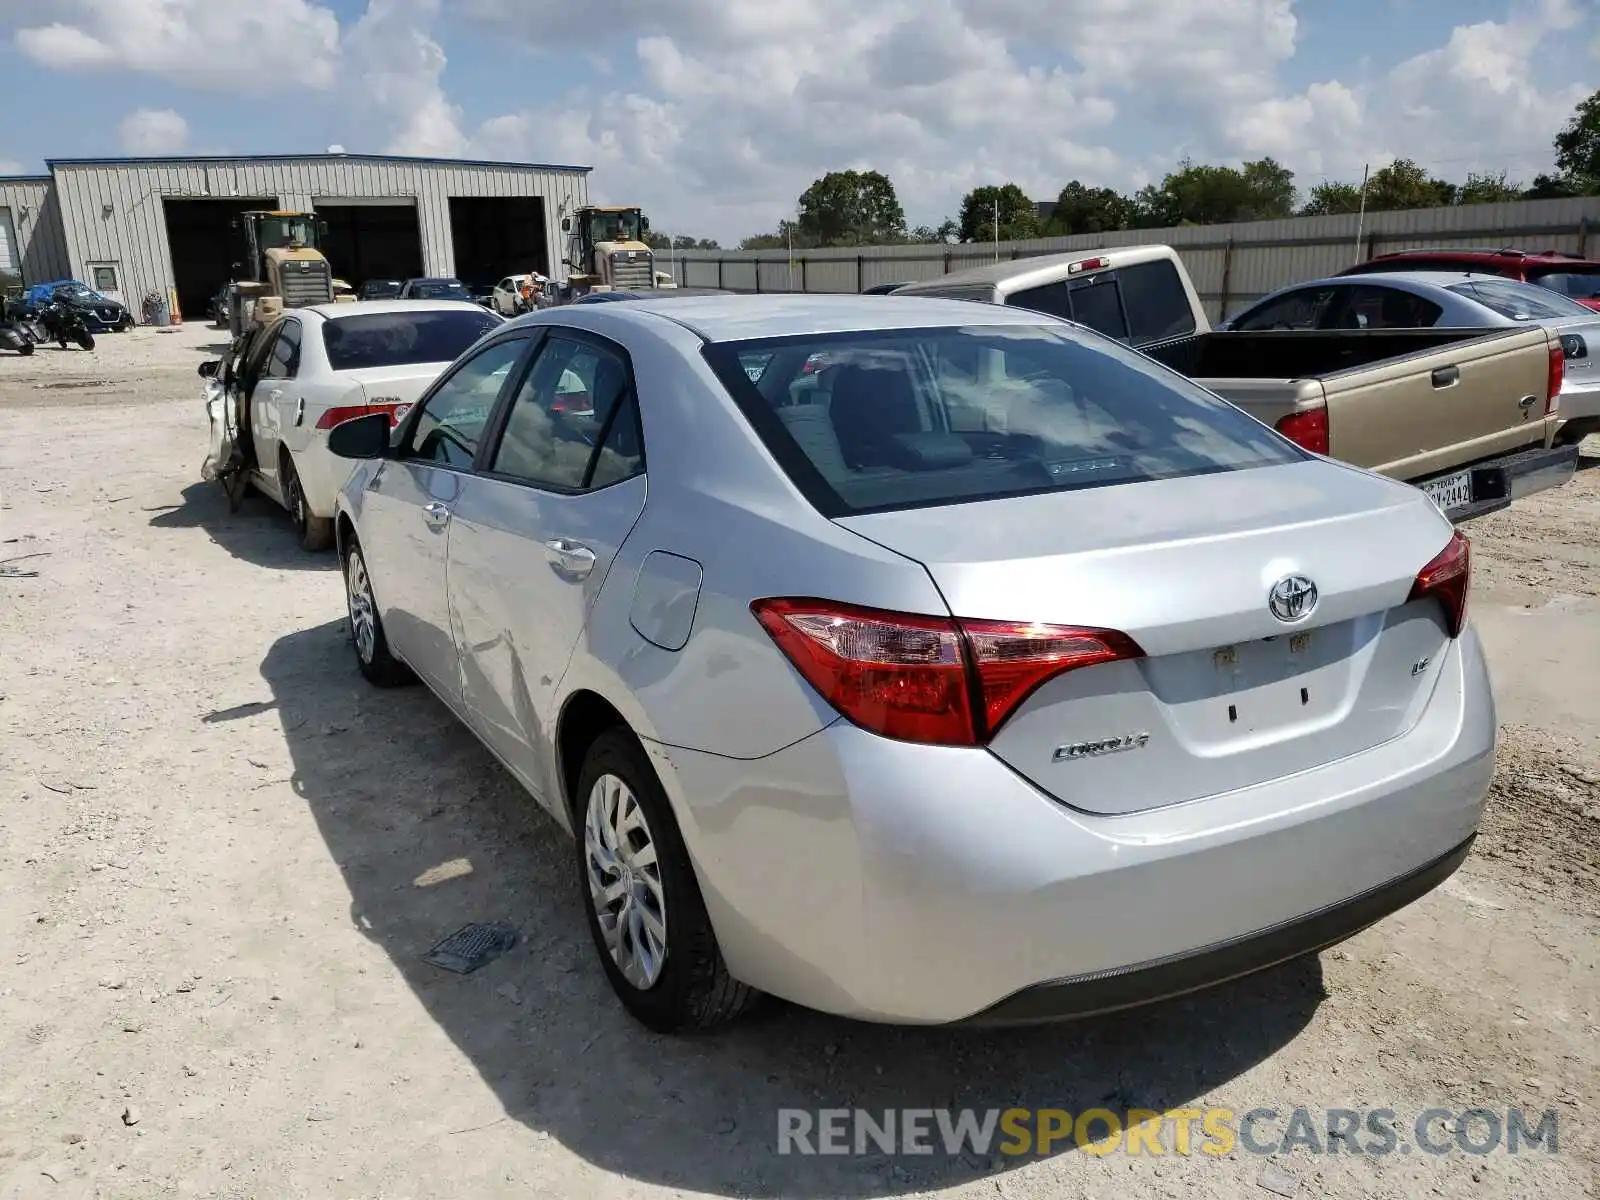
pixel 377 664
pixel 315 533
pixel 644 908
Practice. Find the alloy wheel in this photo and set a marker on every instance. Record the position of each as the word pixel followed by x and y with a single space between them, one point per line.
pixel 625 881
pixel 363 621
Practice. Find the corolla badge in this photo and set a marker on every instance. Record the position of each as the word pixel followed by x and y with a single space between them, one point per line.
pixel 1111 745
pixel 1293 598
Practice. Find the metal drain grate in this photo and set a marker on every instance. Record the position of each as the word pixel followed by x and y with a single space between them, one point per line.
pixel 471 946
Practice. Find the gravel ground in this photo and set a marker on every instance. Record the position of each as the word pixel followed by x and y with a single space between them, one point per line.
pixel 222 857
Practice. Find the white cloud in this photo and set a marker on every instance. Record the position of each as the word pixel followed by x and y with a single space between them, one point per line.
pixel 396 67
pixel 1478 102
pixel 253 46
pixel 10 166
pixel 153 131
pixel 716 114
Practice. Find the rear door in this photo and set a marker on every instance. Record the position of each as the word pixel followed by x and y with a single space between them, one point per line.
pixel 534 534
pixel 407 510
pixel 271 393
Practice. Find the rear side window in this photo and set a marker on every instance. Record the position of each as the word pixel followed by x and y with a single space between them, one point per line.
pixel 1305 308
pixel 402 338
pixel 1157 304
pixel 925 417
pixel 1377 307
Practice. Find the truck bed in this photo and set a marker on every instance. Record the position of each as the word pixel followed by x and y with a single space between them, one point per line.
pixel 1300 354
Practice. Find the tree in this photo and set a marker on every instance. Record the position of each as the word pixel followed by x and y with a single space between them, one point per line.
pixel 1201 194
pixel 1082 209
pixel 945 232
pixel 852 208
pixel 789 233
pixel 1018 217
pixel 1578 145
pixel 1403 184
pixel 1553 187
pixel 661 241
pixel 1488 189
pixel 1332 197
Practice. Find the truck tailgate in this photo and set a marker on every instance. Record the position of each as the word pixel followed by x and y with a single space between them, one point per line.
pixel 1423 413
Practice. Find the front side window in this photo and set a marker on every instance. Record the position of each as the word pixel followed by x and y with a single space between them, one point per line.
pixel 573 418
pixel 452 419
pixel 923 417
pixel 1141 303
pixel 1306 308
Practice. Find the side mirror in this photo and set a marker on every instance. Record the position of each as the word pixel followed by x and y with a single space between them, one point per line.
pixel 361 437
pixel 566 224
pixel 209 368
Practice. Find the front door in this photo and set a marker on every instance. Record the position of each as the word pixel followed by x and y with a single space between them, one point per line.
pixel 533 536
pixel 408 507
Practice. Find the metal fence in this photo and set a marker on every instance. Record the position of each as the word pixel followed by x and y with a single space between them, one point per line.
pixel 1231 265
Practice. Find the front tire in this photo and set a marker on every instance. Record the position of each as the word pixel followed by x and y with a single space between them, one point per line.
pixel 645 912
pixel 85 339
pixel 315 533
pixel 377 664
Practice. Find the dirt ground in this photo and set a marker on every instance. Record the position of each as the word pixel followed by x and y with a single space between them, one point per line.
pixel 222 857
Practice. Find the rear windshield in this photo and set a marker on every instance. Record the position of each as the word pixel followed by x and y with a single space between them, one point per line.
pixel 1520 301
pixel 439 290
pixel 913 418
pixel 397 338
pixel 1579 284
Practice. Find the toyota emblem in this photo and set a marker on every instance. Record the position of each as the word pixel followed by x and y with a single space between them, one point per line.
pixel 1293 598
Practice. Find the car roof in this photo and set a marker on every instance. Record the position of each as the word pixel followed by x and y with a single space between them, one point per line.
pixel 651 294
pixel 354 308
pixel 1020 271
pixel 1483 254
pixel 1413 279
pixel 433 279
pixel 739 317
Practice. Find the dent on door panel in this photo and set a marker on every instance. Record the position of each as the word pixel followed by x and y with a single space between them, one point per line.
pixel 665 596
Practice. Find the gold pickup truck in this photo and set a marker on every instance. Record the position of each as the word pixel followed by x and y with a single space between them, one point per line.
pixel 1468 415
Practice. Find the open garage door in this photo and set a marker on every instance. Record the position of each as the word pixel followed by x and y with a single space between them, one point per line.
pixel 371 240
pixel 204 247
pixel 496 236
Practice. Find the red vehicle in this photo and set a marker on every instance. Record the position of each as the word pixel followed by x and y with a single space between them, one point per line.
pixel 1573 276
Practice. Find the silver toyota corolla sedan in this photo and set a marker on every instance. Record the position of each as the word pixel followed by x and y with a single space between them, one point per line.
pixel 919 660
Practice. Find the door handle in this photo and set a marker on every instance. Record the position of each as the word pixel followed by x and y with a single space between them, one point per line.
pixel 1527 402
pixel 569 557
pixel 1444 377
pixel 300 411
pixel 436 515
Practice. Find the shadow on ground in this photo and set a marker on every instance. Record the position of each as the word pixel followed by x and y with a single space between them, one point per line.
pixel 260 532
pixel 399 788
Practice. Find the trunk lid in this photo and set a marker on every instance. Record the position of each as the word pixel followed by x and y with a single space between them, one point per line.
pixel 1227 695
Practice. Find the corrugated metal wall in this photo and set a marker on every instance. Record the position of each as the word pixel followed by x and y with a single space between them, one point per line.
pixel 38 246
pixel 1231 265
pixel 111 211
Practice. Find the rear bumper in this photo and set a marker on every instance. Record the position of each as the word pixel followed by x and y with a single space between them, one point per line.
pixel 1110 990
pixel 1496 482
pixel 322 474
pixel 915 884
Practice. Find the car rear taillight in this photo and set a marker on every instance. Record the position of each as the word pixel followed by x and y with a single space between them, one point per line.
pixel 1446 580
pixel 340 413
pixel 1306 429
pixel 937 680
pixel 1088 264
pixel 1558 376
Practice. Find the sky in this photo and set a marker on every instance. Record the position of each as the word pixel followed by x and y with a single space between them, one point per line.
pixel 714 115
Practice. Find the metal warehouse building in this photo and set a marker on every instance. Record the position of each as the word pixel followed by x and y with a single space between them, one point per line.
pixel 131 226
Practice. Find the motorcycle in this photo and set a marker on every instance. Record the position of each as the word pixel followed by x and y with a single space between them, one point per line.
pixel 61 323
pixel 15 333
pixel 13 337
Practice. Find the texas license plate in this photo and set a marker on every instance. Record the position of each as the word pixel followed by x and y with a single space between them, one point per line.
pixel 1453 491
